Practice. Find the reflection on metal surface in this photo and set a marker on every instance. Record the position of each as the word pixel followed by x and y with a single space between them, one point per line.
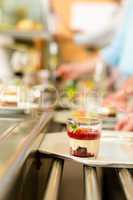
pixel 92 187
pixel 15 148
pixel 52 188
pixel 127 183
pixel 115 149
pixel 99 171
pixel 6 127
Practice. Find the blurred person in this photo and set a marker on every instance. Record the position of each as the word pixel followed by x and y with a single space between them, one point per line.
pixel 120 99
pixel 118 55
pixel 126 123
pixel 65 32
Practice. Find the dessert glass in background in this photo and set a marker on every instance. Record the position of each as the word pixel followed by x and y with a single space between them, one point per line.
pixel 29 99
pixel 8 96
pixel 17 99
pixel 48 97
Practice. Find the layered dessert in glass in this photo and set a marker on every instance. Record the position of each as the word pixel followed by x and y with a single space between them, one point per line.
pixel 84 137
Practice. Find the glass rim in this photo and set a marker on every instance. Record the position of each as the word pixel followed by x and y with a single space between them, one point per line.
pixel 87 122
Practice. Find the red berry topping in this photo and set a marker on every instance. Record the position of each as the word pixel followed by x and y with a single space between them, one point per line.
pixel 84 134
pixel 81 153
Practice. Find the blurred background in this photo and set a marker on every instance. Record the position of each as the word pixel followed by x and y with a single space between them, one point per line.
pixel 37 35
pixel 49 43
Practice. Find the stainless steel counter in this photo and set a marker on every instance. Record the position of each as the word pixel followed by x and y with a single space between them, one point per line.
pixel 92 186
pixel 18 138
pixel 126 180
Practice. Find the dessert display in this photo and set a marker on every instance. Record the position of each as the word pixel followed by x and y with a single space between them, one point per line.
pixel 29 25
pixel 108 111
pixel 84 138
pixel 16 97
pixel 8 96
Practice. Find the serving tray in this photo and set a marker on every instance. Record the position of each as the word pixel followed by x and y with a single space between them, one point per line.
pixel 116 149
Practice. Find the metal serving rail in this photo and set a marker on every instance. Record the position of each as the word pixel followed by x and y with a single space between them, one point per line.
pixel 17 142
pixel 126 180
pixel 52 189
pixel 92 184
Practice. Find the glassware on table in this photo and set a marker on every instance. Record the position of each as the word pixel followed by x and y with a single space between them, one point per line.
pixel 29 100
pixel 48 96
pixel 23 98
pixel 39 98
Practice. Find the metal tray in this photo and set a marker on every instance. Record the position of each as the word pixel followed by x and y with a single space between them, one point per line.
pixel 116 149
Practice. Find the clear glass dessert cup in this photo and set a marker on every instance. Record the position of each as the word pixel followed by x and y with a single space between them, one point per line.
pixel 84 137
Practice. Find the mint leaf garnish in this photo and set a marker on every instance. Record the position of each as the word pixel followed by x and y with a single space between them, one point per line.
pixel 74 127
